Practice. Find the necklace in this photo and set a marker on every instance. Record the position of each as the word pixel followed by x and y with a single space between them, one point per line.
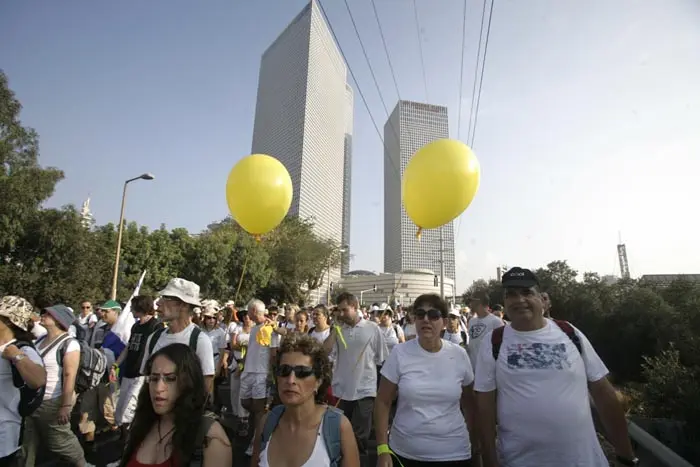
pixel 161 438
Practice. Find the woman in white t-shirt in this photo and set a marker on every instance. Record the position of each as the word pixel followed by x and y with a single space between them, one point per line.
pixel 322 326
pixel 393 334
pixel 17 358
pixel 435 380
pixel 409 328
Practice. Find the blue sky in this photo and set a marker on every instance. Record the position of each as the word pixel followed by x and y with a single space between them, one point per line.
pixel 588 123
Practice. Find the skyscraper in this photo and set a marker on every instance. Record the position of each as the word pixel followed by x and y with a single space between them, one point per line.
pixel 347 180
pixel 301 119
pixel 411 126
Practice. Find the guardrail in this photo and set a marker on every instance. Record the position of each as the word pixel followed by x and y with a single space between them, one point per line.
pixel 650 451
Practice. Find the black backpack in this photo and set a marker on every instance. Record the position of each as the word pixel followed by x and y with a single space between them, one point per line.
pixel 208 419
pixel 156 335
pixel 29 398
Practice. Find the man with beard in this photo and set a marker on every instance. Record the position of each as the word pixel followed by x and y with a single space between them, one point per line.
pixel 360 349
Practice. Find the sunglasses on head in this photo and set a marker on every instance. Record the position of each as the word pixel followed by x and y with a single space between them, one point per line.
pixel 432 314
pixel 300 371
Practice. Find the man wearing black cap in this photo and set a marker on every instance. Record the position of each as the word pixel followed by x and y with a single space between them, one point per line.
pixel 535 376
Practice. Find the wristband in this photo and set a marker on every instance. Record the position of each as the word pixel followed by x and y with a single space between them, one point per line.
pixel 383 449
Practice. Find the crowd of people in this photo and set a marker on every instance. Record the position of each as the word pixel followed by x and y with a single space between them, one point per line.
pixel 425 385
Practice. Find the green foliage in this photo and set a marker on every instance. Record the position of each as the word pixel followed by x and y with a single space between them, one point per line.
pixel 648 336
pixel 48 256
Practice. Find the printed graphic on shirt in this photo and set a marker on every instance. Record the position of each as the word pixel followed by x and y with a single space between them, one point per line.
pixel 476 330
pixel 135 342
pixel 537 356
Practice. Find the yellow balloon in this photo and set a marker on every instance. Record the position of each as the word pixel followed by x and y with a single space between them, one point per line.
pixel 439 183
pixel 259 193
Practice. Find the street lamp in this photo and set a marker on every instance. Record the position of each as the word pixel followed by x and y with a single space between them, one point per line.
pixel 146 176
pixel 328 289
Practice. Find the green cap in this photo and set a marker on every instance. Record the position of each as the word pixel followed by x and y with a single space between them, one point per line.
pixel 110 305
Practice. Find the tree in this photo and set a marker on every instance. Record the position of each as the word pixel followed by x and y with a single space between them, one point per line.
pixel 24 185
pixel 299 259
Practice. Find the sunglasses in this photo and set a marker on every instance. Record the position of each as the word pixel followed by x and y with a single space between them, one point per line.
pixel 300 371
pixel 432 314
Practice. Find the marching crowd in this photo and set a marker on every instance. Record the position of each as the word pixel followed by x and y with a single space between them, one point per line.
pixel 425 385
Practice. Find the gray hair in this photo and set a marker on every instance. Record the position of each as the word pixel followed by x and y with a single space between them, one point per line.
pixel 256 304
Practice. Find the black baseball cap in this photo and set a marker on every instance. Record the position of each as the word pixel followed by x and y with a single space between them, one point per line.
pixel 519 278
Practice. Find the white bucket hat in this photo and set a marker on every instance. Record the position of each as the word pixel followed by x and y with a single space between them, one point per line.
pixel 185 290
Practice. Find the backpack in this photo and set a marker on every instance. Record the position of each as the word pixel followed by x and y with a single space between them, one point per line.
pixel 462 332
pixel 197 459
pixel 156 335
pixel 497 337
pixel 80 331
pixel 92 366
pixel 330 431
pixel 29 399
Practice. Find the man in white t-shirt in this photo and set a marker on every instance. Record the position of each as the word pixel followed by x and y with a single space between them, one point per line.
pixel 534 376
pixel 258 360
pixel 481 324
pixel 176 306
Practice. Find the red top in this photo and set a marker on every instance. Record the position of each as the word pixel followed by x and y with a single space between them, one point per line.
pixel 135 463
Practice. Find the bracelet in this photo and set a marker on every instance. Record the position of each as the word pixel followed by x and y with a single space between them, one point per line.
pixel 383 449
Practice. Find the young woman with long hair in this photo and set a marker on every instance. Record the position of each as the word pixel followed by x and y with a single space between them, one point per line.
pixel 170 426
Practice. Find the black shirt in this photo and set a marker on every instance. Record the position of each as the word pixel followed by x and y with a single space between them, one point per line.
pixel 137 346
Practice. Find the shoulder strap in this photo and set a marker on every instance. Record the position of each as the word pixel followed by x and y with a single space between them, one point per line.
pixel 197 459
pixel 193 338
pixel 464 337
pixel 496 341
pixel 273 418
pixel 154 340
pixel 61 352
pixel 53 344
pixel 569 331
pixel 331 434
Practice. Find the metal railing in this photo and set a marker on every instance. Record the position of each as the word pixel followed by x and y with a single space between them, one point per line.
pixel 650 451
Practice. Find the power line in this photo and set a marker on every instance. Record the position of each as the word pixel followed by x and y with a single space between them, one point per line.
pixel 476 72
pixel 364 52
pixel 420 47
pixel 386 49
pixel 483 67
pixel 461 69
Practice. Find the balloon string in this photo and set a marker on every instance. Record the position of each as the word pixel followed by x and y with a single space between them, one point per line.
pixel 419 233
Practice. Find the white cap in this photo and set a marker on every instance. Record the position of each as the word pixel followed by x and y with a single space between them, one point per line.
pixel 185 290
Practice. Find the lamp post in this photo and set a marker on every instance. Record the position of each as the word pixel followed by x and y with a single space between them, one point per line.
pixel 328 290
pixel 146 176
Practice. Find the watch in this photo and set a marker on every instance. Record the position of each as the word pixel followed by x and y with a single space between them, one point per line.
pixel 629 462
pixel 18 357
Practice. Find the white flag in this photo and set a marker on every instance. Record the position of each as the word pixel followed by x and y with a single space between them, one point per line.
pixel 122 328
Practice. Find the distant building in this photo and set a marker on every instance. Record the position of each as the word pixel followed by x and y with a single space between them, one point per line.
pixel 411 126
pixel 663 280
pixel 403 287
pixel 301 118
pixel 86 215
pixel 609 279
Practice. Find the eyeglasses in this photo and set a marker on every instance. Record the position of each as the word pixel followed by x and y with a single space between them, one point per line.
pixel 432 314
pixel 300 371
pixel 168 378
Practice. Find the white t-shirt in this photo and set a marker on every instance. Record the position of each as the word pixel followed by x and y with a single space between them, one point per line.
pixel 240 338
pixel 542 383
pixel 409 330
pixel 257 359
pixel 429 425
pixel 392 333
pixel 233 328
pixel 355 374
pixel 205 351
pixel 454 337
pixel 320 336
pixel 54 373
pixel 478 328
pixel 217 336
pixel 10 421
pixel 91 318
